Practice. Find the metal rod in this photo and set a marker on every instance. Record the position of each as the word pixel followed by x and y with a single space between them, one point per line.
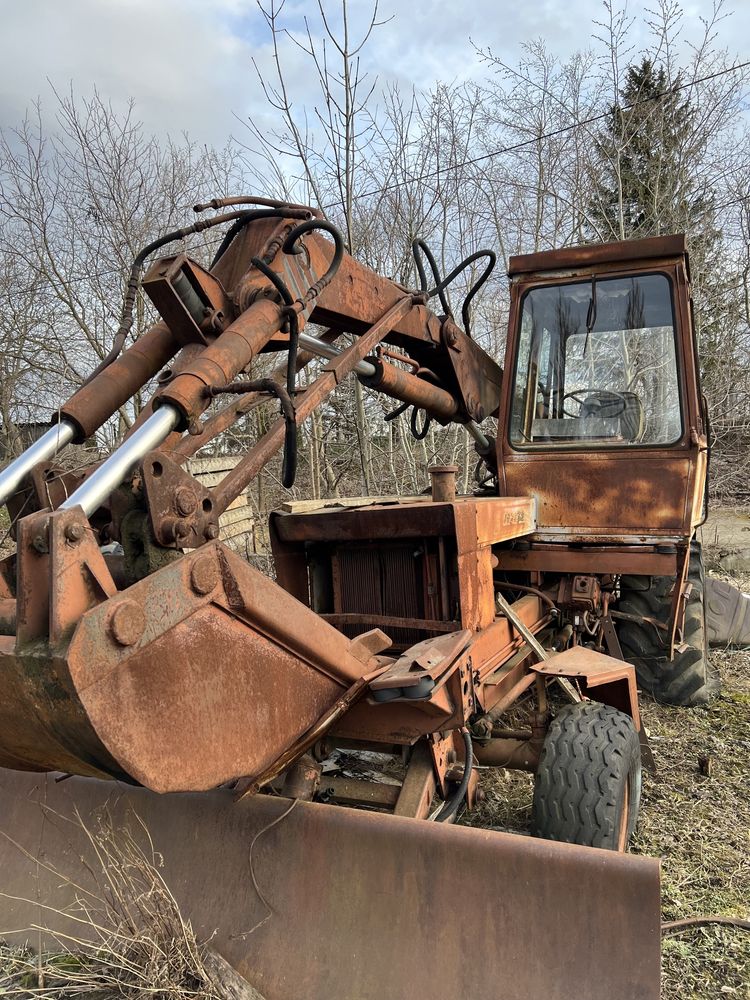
pixel 47 445
pixel 364 368
pixel 476 432
pixel 95 490
pixel 316 346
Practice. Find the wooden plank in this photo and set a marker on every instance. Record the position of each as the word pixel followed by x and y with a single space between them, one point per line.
pixel 219 463
pixel 234 531
pixel 419 785
pixel 354 791
pixel 235 515
pixel 308 506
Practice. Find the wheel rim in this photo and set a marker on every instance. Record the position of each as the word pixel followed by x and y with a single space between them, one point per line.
pixel 622 832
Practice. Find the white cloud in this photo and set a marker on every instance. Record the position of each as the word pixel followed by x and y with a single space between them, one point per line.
pixel 187 63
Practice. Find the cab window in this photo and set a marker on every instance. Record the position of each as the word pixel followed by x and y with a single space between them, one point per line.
pixel 597 365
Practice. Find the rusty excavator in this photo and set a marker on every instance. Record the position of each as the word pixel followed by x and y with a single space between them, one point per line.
pixel 156 670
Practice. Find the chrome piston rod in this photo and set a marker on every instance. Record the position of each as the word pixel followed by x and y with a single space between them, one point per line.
pixel 111 473
pixel 48 445
pixel 364 368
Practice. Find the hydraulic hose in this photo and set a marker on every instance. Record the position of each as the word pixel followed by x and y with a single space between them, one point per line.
pixel 452 804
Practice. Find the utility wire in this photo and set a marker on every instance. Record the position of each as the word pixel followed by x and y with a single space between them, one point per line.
pixel 538 138
pixel 450 168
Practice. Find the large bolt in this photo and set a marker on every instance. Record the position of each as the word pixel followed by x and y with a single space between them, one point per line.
pixel 185 500
pixel 127 623
pixel 39 544
pixel 204 575
pixel 74 532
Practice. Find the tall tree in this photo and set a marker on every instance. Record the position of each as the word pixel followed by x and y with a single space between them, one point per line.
pixel 646 182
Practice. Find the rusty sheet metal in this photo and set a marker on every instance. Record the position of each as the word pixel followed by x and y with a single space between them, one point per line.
pixel 612 497
pixel 359 906
pixel 220 674
pixel 204 671
pixel 476 524
pixel 654 247
pixel 561 558
pixel 474 521
pixel 605 678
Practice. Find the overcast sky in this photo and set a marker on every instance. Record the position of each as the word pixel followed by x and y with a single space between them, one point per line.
pixel 187 63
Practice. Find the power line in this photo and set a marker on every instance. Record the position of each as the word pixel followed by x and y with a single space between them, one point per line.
pixel 580 123
pixel 537 138
pixel 203 245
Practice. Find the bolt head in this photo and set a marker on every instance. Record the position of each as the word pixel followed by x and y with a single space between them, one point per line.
pixel 204 575
pixel 74 532
pixel 185 500
pixel 39 544
pixel 127 623
pixel 212 531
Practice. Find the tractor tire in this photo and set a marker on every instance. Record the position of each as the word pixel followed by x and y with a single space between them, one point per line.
pixel 688 679
pixel 587 788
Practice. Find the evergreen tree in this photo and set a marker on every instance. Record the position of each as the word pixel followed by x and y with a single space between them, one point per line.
pixel 647 162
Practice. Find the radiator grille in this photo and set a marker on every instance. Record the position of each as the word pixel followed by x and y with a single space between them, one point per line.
pixel 382 580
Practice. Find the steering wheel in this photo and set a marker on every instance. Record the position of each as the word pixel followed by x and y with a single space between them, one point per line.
pixel 607 396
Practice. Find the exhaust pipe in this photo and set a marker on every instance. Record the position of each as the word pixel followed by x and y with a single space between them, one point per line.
pixel 48 444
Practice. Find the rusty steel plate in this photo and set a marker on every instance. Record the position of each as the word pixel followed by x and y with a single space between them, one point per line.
pixel 361 906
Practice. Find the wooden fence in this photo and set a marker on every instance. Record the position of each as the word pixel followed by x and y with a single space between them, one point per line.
pixel 236 524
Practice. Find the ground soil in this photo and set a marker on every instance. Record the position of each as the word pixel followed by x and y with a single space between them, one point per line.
pixel 698 824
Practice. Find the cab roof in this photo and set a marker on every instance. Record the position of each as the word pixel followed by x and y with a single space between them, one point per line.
pixel 600 253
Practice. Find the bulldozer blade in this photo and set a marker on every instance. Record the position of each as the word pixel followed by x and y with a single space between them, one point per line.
pixel 315 901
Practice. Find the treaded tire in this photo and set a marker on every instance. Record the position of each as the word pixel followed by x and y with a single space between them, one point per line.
pixel 689 679
pixel 587 787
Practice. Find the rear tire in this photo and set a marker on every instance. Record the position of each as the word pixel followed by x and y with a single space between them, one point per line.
pixel 688 679
pixel 587 788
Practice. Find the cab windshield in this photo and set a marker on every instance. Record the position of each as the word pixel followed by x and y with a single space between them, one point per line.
pixel 597 364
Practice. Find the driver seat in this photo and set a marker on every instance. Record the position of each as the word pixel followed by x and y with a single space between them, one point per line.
pixel 625 406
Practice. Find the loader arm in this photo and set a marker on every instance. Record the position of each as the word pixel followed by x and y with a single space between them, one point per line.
pixel 81 691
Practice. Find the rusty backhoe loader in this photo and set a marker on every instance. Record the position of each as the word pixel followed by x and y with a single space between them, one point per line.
pixel 173 678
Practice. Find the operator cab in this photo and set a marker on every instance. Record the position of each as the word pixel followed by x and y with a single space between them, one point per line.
pixel 602 415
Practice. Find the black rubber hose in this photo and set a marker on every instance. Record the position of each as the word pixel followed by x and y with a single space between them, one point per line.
pixel 397 412
pixel 474 288
pixel 126 317
pixel 416 247
pixel 452 804
pixel 420 435
pixel 289 467
pixel 251 216
pixel 465 314
pixel 291 365
pixel 276 280
pixel 289 247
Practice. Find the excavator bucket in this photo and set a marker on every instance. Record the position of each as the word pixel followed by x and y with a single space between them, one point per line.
pixel 329 903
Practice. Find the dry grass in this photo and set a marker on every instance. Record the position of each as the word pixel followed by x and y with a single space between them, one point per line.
pixel 699 826
pixel 133 941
